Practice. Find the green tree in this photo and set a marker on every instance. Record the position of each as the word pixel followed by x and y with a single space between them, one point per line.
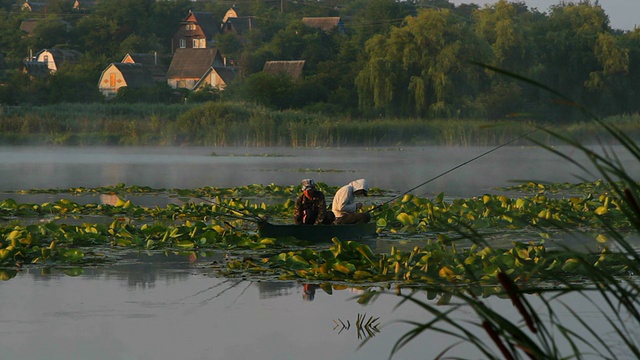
pixel 48 33
pixel 567 46
pixel 76 82
pixel 422 68
pixel 371 17
pixel 270 90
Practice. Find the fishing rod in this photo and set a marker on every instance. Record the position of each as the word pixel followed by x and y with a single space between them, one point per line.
pixel 454 168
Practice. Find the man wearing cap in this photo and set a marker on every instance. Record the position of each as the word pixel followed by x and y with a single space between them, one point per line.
pixel 345 207
pixel 311 207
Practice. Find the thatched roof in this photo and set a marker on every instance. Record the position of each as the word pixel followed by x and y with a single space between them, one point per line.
pixel 62 55
pixel 241 25
pixel 291 68
pixel 135 75
pixel 153 62
pixel 36 69
pixel 208 23
pixel 227 74
pixel 28 25
pixel 33 6
pixel 193 63
pixel 324 23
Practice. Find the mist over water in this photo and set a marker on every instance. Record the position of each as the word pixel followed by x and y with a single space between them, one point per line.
pixel 164 306
pixel 398 169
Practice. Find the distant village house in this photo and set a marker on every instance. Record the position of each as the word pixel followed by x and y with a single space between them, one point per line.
pixel 54 58
pixel 196 31
pixel 136 70
pixel 192 69
pixel 119 75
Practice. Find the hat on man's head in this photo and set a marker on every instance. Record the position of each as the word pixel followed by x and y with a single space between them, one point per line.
pixel 308 184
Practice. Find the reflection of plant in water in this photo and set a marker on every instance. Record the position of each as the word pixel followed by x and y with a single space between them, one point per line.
pixel 366 327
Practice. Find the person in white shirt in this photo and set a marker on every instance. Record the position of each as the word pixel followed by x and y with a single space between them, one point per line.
pixel 345 207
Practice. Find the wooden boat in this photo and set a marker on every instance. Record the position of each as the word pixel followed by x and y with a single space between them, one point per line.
pixel 317 232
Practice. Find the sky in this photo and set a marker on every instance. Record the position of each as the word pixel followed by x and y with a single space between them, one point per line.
pixel 623 14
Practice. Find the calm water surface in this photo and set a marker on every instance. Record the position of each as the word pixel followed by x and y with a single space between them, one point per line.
pixel 164 306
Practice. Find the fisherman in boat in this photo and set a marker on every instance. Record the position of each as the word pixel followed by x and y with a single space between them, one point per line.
pixel 344 206
pixel 311 207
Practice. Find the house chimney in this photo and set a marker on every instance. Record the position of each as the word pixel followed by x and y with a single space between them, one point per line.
pixel 224 59
pixel 155 58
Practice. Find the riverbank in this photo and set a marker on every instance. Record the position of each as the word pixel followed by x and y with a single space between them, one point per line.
pixel 243 124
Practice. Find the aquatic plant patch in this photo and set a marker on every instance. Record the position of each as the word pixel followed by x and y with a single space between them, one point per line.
pixel 224 218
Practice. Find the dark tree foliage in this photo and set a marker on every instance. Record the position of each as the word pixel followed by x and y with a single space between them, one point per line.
pixel 395 58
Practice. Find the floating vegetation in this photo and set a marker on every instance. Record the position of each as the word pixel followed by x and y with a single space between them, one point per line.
pixel 323 170
pixel 530 187
pixel 64 232
pixel 251 155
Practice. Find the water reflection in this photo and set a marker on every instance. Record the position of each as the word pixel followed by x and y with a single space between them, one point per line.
pixel 130 310
pixel 156 305
pixel 385 168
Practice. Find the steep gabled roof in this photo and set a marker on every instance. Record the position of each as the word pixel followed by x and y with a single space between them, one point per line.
pixel 135 75
pixel 33 6
pixel 291 68
pixel 232 12
pixel 36 69
pixel 193 63
pixel 83 4
pixel 28 25
pixel 227 74
pixel 144 59
pixel 324 23
pixel 63 55
pixel 207 22
pixel 153 62
pixel 241 25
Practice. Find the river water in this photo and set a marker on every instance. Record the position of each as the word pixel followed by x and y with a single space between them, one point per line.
pixel 165 306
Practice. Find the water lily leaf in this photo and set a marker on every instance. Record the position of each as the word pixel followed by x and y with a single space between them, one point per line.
pixel 297 262
pixel 72 255
pixel 601 210
pixel 406 219
pixel 7 275
pixel 361 275
pixel 15 234
pixel 343 267
pixel 4 253
pixel 381 223
pixel 74 271
pixel 445 272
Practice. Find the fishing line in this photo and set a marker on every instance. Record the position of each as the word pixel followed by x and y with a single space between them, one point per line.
pixel 454 168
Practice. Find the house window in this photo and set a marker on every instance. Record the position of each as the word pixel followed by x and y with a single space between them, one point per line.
pixel 183 43
pixel 112 80
pixel 199 43
pixel 191 26
pixel 45 58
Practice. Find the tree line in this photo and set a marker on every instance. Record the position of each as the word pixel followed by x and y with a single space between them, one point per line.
pixel 421 58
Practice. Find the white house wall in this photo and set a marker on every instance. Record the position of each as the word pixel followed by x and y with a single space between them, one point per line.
pixel 47 57
pixel 110 81
pixel 182 83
